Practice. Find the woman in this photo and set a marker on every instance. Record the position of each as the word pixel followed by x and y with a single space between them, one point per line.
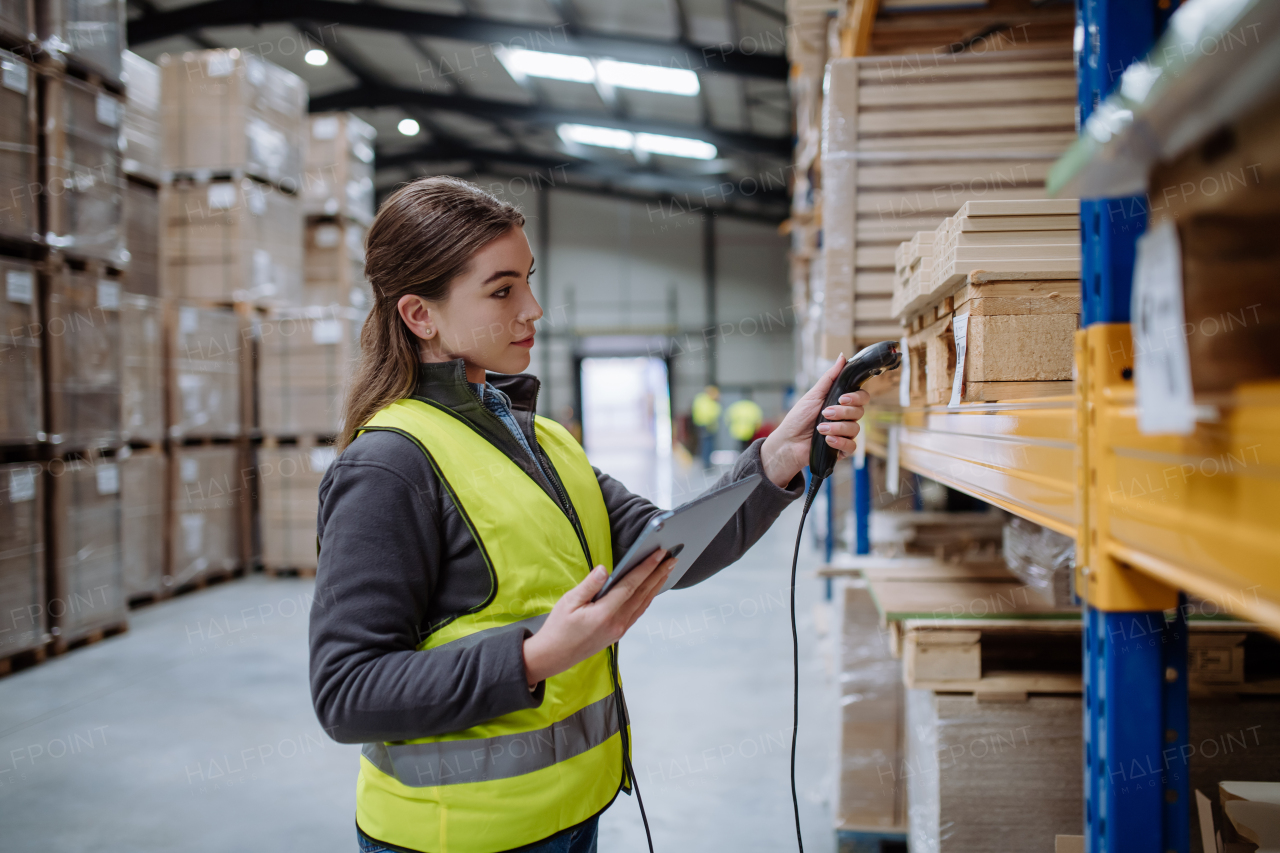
pixel 462 540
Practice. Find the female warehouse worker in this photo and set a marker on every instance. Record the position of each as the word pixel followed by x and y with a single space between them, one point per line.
pixel 453 631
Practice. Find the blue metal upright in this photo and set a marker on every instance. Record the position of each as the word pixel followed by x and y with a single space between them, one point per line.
pixel 861 505
pixel 1135 662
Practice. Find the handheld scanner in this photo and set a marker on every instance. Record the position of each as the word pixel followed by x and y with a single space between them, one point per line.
pixel 872 361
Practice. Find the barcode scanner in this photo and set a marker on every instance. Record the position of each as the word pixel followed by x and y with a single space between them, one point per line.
pixel 872 361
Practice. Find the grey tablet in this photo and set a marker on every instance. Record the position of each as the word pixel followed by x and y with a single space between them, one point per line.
pixel 684 531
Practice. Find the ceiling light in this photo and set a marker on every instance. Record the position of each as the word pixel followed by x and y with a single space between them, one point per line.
pixel 554 66
pixel 650 78
pixel 316 57
pixel 408 127
pixel 675 146
pixel 605 137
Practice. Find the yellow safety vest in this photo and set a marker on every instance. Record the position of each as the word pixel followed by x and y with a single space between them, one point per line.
pixel 706 411
pixel 522 777
pixel 745 417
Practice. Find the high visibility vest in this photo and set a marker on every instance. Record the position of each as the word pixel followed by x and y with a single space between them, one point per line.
pixel 706 411
pixel 524 776
pixel 745 417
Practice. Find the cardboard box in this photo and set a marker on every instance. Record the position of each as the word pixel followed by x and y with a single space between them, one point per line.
pixel 230 112
pixel 23 623
pixel 90 35
pixel 142 237
pixel 144 476
pixel 209 364
pixel 206 509
pixel 231 241
pixel 18 20
pixel 84 187
pixel 19 163
pixel 305 361
pixel 339 176
pixel 141 368
pixel 86 591
pixel 141 133
pixel 334 265
pixel 288 487
pixel 22 417
pixel 82 339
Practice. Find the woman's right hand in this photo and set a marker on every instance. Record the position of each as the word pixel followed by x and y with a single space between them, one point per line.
pixel 577 627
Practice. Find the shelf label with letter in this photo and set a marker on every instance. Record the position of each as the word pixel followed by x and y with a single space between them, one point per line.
pixel 1162 364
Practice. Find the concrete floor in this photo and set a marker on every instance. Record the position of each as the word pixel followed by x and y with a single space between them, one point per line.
pixel 194 731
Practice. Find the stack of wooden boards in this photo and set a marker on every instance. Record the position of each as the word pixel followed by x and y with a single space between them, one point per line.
pixel 909 139
pixel 1003 277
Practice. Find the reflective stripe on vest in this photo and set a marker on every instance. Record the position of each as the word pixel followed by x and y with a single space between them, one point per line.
pixel 523 776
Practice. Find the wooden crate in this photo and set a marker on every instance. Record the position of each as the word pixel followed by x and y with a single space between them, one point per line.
pixel 208 363
pixel 144 476
pixel 142 236
pixel 89 37
pixel 142 394
pixel 22 418
pixel 23 618
pixel 207 501
pixel 305 362
pixel 86 589
pixel 19 163
pixel 334 265
pixel 84 187
pixel 339 176
pixel 82 348
pixel 231 241
pixel 288 490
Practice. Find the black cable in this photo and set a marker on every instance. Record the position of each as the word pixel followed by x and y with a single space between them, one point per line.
pixel 623 719
pixel 814 485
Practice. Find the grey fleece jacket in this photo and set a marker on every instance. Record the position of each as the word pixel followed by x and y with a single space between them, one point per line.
pixel 397 562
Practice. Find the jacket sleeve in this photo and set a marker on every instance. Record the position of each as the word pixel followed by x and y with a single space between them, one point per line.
pixel 380 546
pixel 629 513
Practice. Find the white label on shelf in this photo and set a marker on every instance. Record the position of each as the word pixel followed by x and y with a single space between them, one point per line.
pixel 108 478
pixel 188 319
pixel 860 452
pixel 325 332
pixel 904 381
pixel 322 458
pixel 891 462
pixel 193 532
pixel 19 286
pixel 108 295
pixel 222 196
pixel 219 63
pixel 22 484
pixel 328 236
pixel 107 110
pixel 1162 364
pixel 959 328
pixel 324 127
pixel 16 76
pixel 189 469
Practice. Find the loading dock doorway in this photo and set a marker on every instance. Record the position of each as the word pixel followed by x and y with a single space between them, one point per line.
pixel 626 422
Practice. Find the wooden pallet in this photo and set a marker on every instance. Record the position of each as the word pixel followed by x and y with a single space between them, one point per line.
pixel 62 645
pixel 290 571
pixel 24 659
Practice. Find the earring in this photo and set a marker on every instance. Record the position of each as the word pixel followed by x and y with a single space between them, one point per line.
pixel 430 333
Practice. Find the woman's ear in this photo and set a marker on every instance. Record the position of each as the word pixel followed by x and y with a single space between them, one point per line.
pixel 417 315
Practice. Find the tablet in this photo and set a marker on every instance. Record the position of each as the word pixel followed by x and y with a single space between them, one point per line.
pixel 684 531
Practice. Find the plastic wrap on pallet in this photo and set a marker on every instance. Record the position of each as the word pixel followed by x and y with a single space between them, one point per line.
pixel 871 789
pixel 207 492
pixel 21 419
pixel 339 176
pixel 305 360
pixel 143 474
pixel 88 33
pixel 19 166
pixel 992 777
pixel 22 612
pixel 140 130
pixel 142 236
pixel 288 486
pixel 207 353
pixel 334 265
pixel 82 339
pixel 1041 558
pixel 87 589
pixel 141 368
pixel 226 111
pixel 84 187
pixel 231 241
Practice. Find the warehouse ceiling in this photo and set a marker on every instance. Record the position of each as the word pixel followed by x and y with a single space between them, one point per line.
pixel 678 102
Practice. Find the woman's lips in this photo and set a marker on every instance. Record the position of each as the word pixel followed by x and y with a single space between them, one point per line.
pixel 526 343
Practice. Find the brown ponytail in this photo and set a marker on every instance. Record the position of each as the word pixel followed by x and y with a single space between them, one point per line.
pixel 423 237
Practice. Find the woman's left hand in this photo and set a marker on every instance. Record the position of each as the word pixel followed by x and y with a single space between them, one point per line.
pixel 786 451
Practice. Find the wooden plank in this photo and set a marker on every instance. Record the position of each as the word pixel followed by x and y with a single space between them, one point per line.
pixel 961 145
pixel 995 392
pixel 873 229
pixel 961 600
pixel 990 176
pixel 872 283
pixel 915 568
pixel 926 69
pixel 1060 236
pixel 947 121
pixel 1019 89
pixel 875 256
pixel 1018 683
pixel 1020 348
pixel 872 309
pixel 940 200
pixel 977 256
pixel 1002 207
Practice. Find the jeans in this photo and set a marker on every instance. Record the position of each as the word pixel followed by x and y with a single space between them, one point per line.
pixel 580 840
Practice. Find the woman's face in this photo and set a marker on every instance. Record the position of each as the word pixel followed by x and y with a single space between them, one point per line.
pixel 487 319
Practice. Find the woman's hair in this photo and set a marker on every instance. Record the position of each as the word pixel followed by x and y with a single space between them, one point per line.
pixel 424 236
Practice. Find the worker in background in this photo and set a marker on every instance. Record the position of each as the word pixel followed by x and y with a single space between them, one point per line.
pixel 462 539
pixel 745 418
pixel 706 417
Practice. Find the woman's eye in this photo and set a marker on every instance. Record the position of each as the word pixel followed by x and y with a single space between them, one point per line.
pixel 502 293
